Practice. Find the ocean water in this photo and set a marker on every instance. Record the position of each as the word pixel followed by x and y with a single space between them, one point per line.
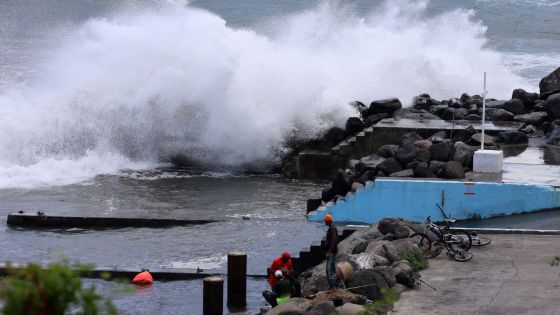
pixel 97 96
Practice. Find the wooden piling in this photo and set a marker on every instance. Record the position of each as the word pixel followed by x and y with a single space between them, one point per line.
pixel 237 280
pixel 213 296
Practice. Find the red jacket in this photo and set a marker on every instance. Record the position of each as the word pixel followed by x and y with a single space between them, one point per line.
pixel 278 264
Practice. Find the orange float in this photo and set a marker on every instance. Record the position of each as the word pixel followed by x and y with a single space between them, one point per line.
pixel 143 278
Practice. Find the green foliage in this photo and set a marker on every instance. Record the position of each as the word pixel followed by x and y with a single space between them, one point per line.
pixel 555 261
pixel 383 305
pixel 414 256
pixel 55 290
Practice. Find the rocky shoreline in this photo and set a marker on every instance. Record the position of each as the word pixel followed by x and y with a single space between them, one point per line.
pixel 375 253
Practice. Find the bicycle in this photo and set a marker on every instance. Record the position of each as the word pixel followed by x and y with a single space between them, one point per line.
pixel 456 246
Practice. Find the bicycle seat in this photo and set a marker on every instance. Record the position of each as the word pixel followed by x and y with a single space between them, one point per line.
pixel 449 220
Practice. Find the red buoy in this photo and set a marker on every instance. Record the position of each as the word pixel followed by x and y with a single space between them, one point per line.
pixel 143 278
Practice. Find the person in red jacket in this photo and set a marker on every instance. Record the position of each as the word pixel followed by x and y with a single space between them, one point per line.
pixel 282 263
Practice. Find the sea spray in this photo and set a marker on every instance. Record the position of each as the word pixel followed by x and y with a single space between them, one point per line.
pixel 142 87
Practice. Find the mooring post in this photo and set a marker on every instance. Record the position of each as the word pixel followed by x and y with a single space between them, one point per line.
pixel 237 280
pixel 213 296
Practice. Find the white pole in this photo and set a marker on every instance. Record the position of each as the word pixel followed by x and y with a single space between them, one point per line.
pixel 484 92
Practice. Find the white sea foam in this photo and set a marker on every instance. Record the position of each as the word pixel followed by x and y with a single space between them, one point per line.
pixel 142 86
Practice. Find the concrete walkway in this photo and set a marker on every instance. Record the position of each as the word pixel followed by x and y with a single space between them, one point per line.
pixel 512 275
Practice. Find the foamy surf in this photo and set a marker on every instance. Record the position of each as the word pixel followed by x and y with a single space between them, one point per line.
pixel 147 85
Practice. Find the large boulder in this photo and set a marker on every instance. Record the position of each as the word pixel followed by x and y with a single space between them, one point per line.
pixel 423 156
pixel 385 106
pixel 409 137
pixel 382 248
pixel 451 170
pixel 342 183
pixel 353 126
pixel 327 194
pixel 412 113
pixel 435 166
pixel 371 281
pixel 534 118
pixel 390 166
pixel 552 106
pixel 387 150
pixel 515 106
pixel 551 82
pixel 406 152
pixel 404 274
pixel 403 173
pixel 314 280
pixel 322 308
pixel 498 114
pixel 423 144
pixel 334 136
pixel 388 225
pixel 463 134
pixel 463 154
pixel 352 245
pixel 375 118
pixel 440 151
pixel 477 139
pixel 454 113
pixel 495 104
pixel 368 261
pixel 528 99
pixel 422 170
pixel 368 163
pixel 293 306
pixel 512 137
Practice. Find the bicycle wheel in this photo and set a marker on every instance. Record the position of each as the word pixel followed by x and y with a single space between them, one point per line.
pixel 479 241
pixel 437 248
pixel 462 255
pixel 458 240
pixel 423 242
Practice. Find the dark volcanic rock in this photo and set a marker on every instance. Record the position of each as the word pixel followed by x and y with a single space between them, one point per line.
pixel 472 117
pixel 515 106
pixel 423 144
pixel 423 156
pixel 385 106
pixel 327 194
pixel 551 82
pixel 368 163
pixel 375 118
pixel 512 137
pixel 387 225
pixel 390 166
pixel 334 136
pixel 412 113
pixel 464 153
pixel 409 137
pixel 404 273
pixel 435 166
pixel 353 126
pixel 553 138
pixel 454 113
pixel 452 169
pixel 341 184
pixel 552 106
pixel 371 281
pixel 438 109
pixel 498 114
pixel 527 98
pixel 422 170
pixel 313 204
pixel 495 104
pixel 534 118
pixel 387 150
pixel 403 173
pixel 401 232
pixel 368 176
pixel 440 151
pixel 463 134
pixel 406 152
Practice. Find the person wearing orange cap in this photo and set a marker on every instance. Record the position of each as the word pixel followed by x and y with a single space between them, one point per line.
pixel 282 263
pixel 331 242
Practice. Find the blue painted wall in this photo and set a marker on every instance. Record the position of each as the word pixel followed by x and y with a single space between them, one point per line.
pixel 417 199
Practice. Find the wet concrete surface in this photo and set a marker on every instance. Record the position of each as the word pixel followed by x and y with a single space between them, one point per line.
pixel 512 275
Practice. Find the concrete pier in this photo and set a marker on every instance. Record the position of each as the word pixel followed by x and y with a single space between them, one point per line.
pixel 43 220
pixel 512 275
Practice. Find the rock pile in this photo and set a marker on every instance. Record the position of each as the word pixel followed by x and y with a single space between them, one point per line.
pixel 373 254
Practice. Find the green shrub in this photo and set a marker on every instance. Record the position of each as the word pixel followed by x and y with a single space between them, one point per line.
pixel 414 256
pixel 55 290
pixel 384 305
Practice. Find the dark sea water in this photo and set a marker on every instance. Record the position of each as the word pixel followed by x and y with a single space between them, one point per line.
pixel 96 96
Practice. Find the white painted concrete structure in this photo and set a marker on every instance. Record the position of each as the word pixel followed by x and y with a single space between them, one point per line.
pixel 488 161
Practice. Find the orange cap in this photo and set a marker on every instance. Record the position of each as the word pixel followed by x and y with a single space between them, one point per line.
pixel 328 218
